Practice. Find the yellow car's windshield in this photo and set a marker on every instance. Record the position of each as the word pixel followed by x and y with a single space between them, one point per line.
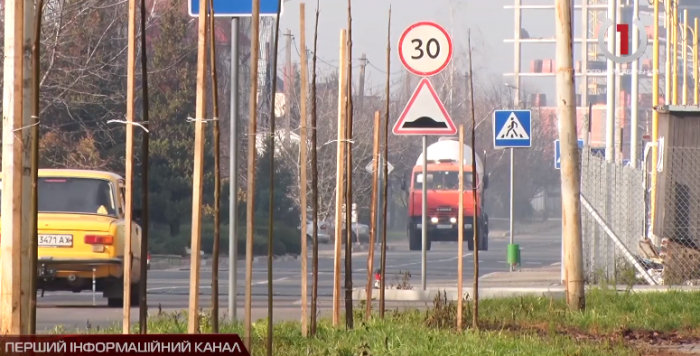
pixel 76 195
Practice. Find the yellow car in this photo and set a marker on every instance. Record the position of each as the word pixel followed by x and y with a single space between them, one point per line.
pixel 81 234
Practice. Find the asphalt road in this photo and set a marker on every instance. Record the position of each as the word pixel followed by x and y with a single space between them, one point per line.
pixel 168 289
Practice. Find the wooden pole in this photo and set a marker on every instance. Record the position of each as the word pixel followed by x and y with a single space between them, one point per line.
pixel 250 194
pixel 129 174
pixel 198 172
pixel 475 225
pixel 460 230
pixel 382 265
pixel 339 179
pixel 314 181
pixel 217 175
pixel 143 282
pixel 570 169
pixel 16 185
pixel 303 181
pixel 348 172
pixel 271 210
pixel 36 109
pixel 373 215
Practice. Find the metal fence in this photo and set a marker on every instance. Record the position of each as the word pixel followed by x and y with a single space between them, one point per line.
pixel 613 219
pixel 618 244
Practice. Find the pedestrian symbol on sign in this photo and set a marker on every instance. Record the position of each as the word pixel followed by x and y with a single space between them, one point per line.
pixel 513 129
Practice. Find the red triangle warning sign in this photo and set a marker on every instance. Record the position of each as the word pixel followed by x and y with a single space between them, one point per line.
pixel 425 114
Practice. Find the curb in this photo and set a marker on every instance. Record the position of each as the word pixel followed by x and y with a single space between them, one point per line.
pixel 503 292
pixel 452 294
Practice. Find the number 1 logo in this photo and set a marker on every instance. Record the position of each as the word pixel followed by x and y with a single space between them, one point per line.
pixel 624 30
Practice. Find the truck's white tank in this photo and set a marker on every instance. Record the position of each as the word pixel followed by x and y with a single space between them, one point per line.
pixel 448 148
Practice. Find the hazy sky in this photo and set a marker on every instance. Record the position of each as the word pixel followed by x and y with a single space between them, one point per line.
pixel 489 22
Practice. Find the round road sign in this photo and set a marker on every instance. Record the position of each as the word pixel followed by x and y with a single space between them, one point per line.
pixel 425 48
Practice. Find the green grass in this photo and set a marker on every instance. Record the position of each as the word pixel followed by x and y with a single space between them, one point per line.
pixel 509 326
pixel 392 337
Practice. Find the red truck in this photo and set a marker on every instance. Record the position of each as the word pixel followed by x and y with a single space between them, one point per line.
pixel 443 197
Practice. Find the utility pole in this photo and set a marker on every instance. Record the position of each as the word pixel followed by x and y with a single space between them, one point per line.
pixel 16 167
pixel 570 168
pixel 361 86
pixel 129 169
pixel 198 173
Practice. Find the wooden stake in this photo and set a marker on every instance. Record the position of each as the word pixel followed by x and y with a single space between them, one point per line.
pixel 16 197
pixel 460 230
pixel 217 176
pixel 348 173
pixel 570 163
pixel 129 174
pixel 475 228
pixel 271 216
pixel 198 172
pixel 250 194
pixel 302 175
pixel 373 215
pixel 382 283
pixel 143 282
pixel 34 211
pixel 314 181
pixel 342 80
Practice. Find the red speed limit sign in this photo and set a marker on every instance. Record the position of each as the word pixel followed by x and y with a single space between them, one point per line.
pixel 425 48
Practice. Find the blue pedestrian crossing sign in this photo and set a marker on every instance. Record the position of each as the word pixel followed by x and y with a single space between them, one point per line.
pixel 512 129
pixel 557 152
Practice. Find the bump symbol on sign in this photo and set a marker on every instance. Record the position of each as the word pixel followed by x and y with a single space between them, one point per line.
pixel 513 129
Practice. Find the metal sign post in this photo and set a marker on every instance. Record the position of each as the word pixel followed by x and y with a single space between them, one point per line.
pixel 234 10
pixel 512 129
pixel 425 49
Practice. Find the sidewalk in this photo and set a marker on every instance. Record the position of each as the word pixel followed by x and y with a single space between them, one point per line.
pixel 532 281
pixel 545 277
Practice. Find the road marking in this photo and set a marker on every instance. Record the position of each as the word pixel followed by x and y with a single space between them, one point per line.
pixel 419 262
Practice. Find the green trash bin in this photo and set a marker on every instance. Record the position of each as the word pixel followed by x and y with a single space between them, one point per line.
pixel 513 257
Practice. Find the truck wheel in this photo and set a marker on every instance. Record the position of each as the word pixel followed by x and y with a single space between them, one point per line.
pixel 415 240
pixel 484 234
pixel 470 243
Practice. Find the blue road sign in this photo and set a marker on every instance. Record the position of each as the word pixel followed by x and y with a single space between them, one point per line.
pixel 512 129
pixel 237 8
pixel 557 153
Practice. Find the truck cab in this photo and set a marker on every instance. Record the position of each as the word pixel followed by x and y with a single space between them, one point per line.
pixel 81 234
pixel 442 183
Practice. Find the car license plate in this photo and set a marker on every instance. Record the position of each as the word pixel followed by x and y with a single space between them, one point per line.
pixel 444 226
pixel 55 240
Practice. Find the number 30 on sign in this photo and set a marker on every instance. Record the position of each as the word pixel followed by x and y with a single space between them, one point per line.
pixel 425 48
